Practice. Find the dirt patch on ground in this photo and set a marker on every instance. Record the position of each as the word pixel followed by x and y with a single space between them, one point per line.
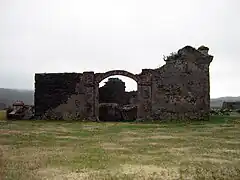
pixel 4 148
pixel 128 133
pixel 32 153
pixel 112 146
pixel 91 128
pixel 237 142
pixel 198 133
pixel 9 132
pixel 181 149
pixel 153 144
pixel 214 160
pixel 175 151
pixel 130 139
pixel 149 171
pixel 225 150
pixel 63 174
pixel 67 137
pixel 163 137
pixel 147 138
pixel 36 132
pixel 62 129
pixel 59 129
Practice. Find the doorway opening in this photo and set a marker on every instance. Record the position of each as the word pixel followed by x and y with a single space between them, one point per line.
pixel 118 99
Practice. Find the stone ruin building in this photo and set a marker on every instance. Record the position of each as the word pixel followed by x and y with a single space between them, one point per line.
pixel 235 105
pixel 178 90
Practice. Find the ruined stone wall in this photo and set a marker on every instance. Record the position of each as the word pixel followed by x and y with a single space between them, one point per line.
pixel 231 105
pixel 58 94
pixel 180 88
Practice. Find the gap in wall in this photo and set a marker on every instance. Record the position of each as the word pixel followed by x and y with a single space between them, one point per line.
pixel 118 99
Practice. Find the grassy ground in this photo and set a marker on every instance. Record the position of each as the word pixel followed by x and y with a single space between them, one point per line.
pixel 59 150
pixel 2 115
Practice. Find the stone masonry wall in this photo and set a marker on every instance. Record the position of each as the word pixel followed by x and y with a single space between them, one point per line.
pixel 180 89
pixel 181 86
pixel 53 91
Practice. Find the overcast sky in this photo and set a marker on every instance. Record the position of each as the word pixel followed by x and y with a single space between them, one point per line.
pixel 83 35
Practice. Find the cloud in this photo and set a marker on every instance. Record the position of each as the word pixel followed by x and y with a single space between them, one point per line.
pixel 77 36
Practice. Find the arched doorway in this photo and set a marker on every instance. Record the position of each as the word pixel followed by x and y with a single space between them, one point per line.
pixel 101 76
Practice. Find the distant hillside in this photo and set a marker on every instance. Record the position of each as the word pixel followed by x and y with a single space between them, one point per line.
pixel 8 96
pixel 217 102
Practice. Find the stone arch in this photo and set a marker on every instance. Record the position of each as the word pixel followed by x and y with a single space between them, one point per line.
pixel 101 76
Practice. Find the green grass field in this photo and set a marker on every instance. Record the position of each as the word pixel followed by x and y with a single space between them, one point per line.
pixel 2 115
pixel 32 150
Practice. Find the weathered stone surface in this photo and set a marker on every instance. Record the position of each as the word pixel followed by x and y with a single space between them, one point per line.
pixel 102 76
pixel 177 90
pixel 116 112
pixel 181 88
pixel 54 89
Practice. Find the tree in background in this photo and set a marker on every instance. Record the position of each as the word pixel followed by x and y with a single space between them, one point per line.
pixel 113 92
